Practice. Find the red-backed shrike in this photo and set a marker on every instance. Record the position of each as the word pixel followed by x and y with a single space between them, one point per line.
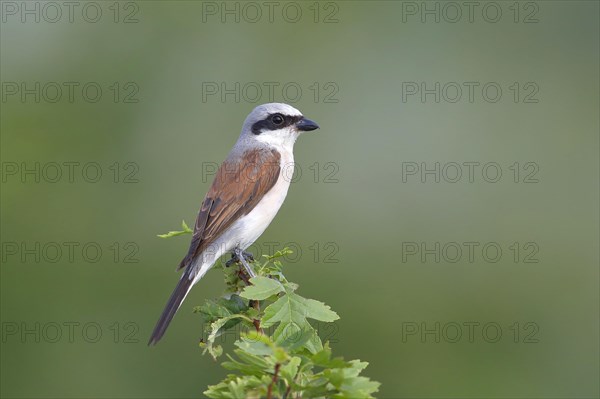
pixel 243 199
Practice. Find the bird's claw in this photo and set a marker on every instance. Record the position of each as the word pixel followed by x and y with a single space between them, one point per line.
pixel 234 258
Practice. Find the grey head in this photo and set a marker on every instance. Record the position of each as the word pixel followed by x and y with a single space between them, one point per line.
pixel 275 124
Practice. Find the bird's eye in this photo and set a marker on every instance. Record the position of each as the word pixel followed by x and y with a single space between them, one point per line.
pixel 277 119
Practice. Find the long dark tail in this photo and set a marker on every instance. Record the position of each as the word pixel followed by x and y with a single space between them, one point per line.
pixel 177 297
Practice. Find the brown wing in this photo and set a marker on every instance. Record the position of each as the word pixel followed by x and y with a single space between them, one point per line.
pixel 237 188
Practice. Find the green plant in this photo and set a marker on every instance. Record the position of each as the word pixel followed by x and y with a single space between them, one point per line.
pixel 280 355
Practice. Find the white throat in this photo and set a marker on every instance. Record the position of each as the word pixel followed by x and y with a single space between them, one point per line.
pixel 280 139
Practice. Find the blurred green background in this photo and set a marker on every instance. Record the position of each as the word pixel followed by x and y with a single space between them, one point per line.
pixel 351 204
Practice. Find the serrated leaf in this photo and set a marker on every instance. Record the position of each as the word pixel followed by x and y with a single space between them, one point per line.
pixel 233 386
pixel 356 366
pixel 314 344
pixel 262 362
pixel 348 382
pixel 213 310
pixel 293 337
pixel 358 387
pixel 323 359
pixel 335 376
pixel 294 308
pixel 288 371
pixel 292 311
pixel 246 368
pixel 261 288
pixel 319 311
pixel 258 337
pixel 255 344
pixel 214 329
pixel 306 366
pixel 280 355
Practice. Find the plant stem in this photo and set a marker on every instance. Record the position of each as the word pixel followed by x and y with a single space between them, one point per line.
pixel 287 392
pixel 273 381
pixel 255 304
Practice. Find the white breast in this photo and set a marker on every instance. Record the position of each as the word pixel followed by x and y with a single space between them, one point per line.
pixel 249 227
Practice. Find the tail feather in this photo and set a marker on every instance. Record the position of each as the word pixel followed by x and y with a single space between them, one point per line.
pixel 177 297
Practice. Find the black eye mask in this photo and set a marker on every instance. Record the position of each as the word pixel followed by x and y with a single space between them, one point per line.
pixel 269 124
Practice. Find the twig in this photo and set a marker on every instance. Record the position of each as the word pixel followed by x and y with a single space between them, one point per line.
pixel 273 381
pixel 255 304
pixel 287 392
pixel 242 275
pixel 256 323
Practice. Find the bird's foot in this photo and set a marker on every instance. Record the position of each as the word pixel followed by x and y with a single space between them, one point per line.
pixel 235 259
pixel 243 257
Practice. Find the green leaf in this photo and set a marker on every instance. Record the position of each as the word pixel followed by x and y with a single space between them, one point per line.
pixel 233 281
pixel 288 371
pixel 314 344
pixel 261 362
pixel 323 359
pixel 358 387
pixel 212 310
pixel 319 311
pixel 306 366
pixel 245 368
pixel 293 337
pixel 348 383
pixel 261 288
pixel 279 254
pixel 234 387
pixel 252 313
pixel 292 308
pixel 214 329
pixel 175 233
pixel 356 366
pixel 255 344
pixel 292 311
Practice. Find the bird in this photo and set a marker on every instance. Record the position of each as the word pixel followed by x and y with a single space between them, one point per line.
pixel 244 197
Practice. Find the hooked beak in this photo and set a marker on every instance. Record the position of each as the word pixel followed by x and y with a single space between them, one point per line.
pixel 306 125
